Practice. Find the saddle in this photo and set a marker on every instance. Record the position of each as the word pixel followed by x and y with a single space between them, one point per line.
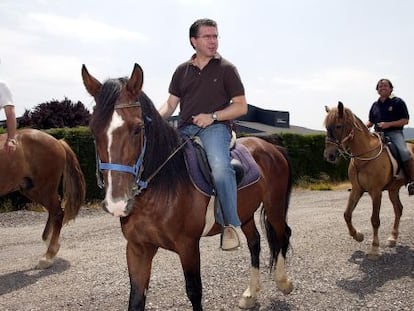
pixel 246 168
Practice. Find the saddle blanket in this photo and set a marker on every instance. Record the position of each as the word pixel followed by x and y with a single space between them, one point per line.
pixel 239 152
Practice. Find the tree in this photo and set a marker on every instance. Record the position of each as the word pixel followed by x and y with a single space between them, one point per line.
pixel 56 114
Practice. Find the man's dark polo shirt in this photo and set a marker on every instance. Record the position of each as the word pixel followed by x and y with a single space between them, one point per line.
pixel 207 90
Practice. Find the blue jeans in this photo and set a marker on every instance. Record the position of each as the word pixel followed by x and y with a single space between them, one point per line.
pixel 397 138
pixel 216 141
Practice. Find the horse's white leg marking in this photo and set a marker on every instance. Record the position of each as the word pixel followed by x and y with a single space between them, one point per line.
pixel 114 206
pixel 392 240
pixel 44 263
pixel 249 297
pixel 280 276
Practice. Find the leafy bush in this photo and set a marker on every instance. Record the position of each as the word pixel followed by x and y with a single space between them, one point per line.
pixel 55 114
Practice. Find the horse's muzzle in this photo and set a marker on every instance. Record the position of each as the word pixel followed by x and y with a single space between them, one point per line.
pixel 332 156
pixel 118 209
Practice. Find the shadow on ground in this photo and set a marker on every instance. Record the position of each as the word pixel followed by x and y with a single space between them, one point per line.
pixel 16 280
pixel 393 265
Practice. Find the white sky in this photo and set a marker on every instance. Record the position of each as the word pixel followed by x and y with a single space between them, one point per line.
pixel 295 56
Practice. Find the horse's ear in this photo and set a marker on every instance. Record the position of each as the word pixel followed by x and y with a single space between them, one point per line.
pixel 340 109
pixel 327 109
pixel 92 85
pixel 134 84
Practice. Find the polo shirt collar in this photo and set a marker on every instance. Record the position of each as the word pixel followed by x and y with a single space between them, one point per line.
pixel 217 56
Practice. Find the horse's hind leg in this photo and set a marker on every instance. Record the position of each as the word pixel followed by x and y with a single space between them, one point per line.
pixel 398 208
pixel 278 235
pixel 279 274
pixel 52 229
pixel 249 297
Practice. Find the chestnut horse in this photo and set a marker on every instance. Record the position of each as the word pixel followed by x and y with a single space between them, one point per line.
pixel 36 169
pixel 370 170
pixel 147 184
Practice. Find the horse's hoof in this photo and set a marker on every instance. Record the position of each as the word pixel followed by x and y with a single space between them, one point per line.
pixel 285 287
pixel 374 254
pixel 247 302
pixel 359 237
pixel 391 242
pixel 44 263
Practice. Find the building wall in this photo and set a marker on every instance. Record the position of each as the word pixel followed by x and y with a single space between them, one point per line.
pixel 268 117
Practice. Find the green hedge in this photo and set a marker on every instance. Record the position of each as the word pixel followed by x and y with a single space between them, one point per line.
pixel 306 154
pixel 305 151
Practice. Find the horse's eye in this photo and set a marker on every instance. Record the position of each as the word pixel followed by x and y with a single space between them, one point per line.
pixel 138 129
pixel 338 127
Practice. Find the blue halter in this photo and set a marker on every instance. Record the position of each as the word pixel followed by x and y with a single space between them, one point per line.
pixel 136 169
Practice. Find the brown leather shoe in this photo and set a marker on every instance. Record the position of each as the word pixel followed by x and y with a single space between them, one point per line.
pixel 230 239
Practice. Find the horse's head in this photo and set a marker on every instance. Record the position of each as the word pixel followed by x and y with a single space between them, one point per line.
pixel 117 125
pixel 339 124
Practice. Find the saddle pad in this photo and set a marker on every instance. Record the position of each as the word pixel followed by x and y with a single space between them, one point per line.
pixel 396 171
pixel 239 152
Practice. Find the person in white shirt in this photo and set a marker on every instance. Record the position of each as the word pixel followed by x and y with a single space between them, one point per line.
pixel 6 102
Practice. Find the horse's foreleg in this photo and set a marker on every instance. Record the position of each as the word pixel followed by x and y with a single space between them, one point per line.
pixel 375 221
pixel 398 208
pixel 249 297
pixel 190 261
pixel 139 260
pixel 353 199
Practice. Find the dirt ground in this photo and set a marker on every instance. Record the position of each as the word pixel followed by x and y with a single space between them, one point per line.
pixel 329 270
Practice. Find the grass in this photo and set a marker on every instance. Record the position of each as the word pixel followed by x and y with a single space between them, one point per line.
pixel 323 183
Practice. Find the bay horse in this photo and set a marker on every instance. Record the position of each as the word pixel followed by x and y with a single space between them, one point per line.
pixel 36 169
pixel 147 184
pixel 370 170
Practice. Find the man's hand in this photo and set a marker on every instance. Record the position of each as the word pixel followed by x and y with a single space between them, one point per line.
pixel 203 120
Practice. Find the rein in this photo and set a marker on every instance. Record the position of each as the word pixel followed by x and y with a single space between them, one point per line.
pixel 342 150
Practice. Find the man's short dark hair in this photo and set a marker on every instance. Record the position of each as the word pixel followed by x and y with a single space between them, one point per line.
pixel 201 22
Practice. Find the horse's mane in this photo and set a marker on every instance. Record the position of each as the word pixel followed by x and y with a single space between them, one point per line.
pixel 162 141
pixel 349 118
pixel 106 98
pixel 331 117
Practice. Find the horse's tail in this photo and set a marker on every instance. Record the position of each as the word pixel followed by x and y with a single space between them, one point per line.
pixel 279 244
pixel 74 188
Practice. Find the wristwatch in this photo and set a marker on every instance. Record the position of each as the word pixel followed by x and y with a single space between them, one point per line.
pixel 214 116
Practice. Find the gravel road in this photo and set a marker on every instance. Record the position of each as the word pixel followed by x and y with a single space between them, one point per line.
pixel 329 270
